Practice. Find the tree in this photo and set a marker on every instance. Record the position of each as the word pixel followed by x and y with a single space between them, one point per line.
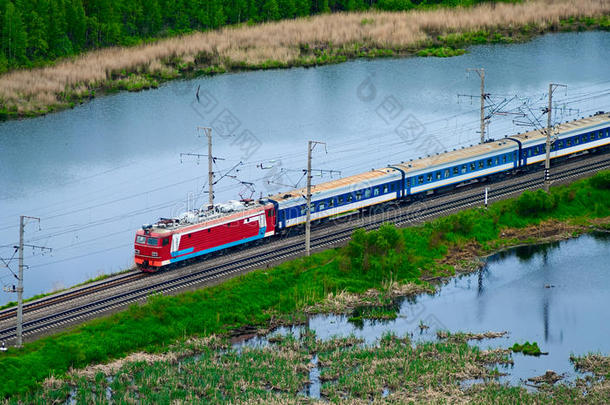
pixel 59 43
pixel 37 48
pixel 287 8
pixel 151 20
pixel 270 10
pixel 303 7
pixel 14 36
pixel 76 21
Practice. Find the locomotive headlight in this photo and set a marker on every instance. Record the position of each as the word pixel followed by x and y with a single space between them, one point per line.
pixel 155 254
pixel 137 251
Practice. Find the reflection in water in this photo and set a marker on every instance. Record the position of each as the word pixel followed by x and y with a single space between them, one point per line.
pixel 513 295
pixel 526 253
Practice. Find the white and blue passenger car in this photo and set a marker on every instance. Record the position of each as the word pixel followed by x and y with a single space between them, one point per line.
pixel 415 179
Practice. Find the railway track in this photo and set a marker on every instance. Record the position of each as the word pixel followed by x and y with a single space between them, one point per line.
pixel 330 235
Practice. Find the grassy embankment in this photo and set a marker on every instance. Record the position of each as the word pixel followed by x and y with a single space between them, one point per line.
pixel 339 280
pixel 309 41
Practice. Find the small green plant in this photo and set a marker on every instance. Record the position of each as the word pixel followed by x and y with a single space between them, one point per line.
pixel 527 348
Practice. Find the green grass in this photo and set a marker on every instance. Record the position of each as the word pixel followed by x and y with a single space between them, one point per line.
pixel 441 52
pixel 370 260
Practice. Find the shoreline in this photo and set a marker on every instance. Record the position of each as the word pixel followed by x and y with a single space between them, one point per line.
pixel 333 39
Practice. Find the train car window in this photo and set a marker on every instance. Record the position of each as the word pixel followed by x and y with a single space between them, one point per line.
pixel 583 138
pixel 472 166
pixel 463 168
pixel 331 203
pixel 503 158
pixel 321 206
pixel 568 142
pixel 497 160
pixel 349 198
pixel 152 241
pixel 600 135
pixel 447 173
pixel 385 189
pixel 303 210
pixel 481 164
pixel 408 183
pixel 340 199
pixel 456 170
pixel 489 162
pixel 367 193
pixel 165 241
pixel 141 239
pixel 420 179
pixel 576 141
pixel 358 195
pixel 429 177
pixel 537 150
pixel 376 191
pixel 392 186
pixel 592 137
pixel 438 175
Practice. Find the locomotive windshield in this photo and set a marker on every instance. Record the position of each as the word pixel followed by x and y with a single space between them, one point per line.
pixel 141 239
pixel 152 241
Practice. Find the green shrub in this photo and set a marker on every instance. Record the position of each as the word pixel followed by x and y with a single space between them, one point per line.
pixel 601 180
pixel 532 203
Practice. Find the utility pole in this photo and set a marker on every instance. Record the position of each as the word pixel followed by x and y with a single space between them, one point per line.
pixel 207 131
pixel 310 146
pixel 481 73
pixel 19 289
pixel 549 129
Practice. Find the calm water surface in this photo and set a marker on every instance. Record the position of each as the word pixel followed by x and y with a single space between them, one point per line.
pixel 555 295
pixel 96 173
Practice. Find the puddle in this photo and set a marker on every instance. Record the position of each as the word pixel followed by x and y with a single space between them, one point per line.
pixel 553 294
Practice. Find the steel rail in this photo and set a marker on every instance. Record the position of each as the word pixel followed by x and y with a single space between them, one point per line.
pixel 225 269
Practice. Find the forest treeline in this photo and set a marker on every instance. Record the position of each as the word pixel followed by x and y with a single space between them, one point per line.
pixel 34 32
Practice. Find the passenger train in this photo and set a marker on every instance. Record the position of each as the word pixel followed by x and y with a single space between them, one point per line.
pixel 199 233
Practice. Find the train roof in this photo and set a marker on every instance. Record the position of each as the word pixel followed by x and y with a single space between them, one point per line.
pixel 488 148
pixel 455 156
pixel 193 219
pixel 566 127
pixel 375 174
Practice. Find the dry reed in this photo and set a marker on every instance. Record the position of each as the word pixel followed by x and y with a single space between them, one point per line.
pixel 38 89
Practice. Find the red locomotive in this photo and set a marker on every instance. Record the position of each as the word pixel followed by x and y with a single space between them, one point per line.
pixel 197 233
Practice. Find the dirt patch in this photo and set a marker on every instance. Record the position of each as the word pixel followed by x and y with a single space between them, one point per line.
pixel 345 302
pixel 550 377
pixel 469 336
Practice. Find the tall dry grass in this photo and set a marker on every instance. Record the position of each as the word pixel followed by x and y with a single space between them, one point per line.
pixel 280 41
